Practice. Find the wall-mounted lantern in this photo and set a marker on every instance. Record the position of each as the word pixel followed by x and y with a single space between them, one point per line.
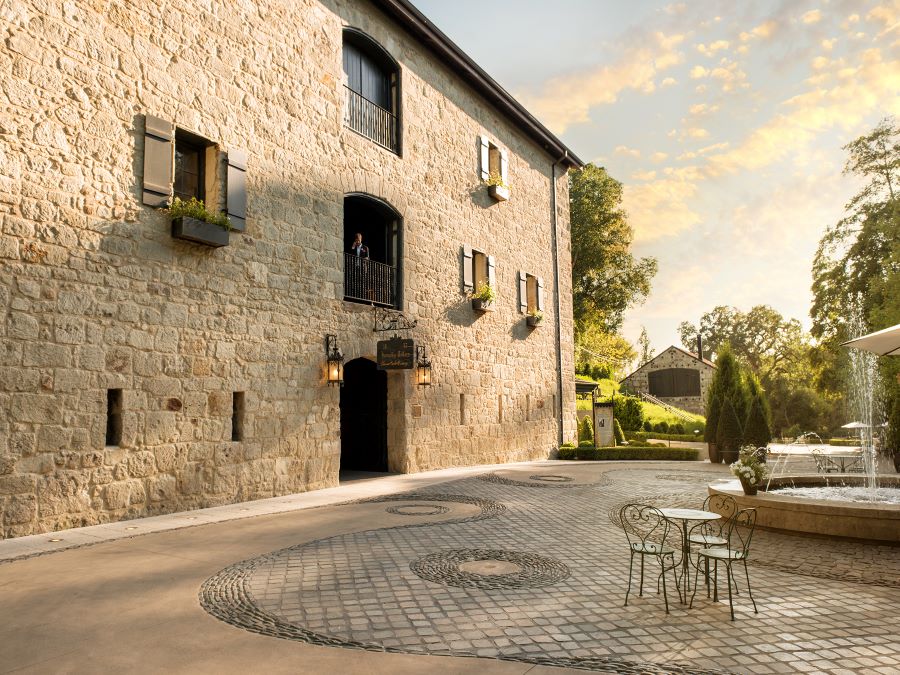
pixel 335 361
pixel 423 367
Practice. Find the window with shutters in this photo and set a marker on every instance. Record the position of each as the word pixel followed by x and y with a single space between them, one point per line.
pixel 372 88
pixel 531 297
pixel 478 270
pixel 180 163
pixel 494 169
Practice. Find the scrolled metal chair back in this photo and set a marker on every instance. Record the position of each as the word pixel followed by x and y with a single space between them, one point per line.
pixel 724 505
pixel 739 532
pixel 643 523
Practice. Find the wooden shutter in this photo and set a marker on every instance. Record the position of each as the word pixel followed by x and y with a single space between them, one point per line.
pixel 523 292
pixel 159 161
pixel 467 275
pixel 485 158
pixel 236 202
pixel 540 294
pixel 492 279
pixel 504 167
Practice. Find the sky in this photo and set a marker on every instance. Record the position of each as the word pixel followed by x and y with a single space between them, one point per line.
pixel 725 122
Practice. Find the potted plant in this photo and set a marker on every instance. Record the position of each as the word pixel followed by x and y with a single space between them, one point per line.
pixel 496 187
pixel 534 318
pixel 191 221
pixel 483 298
pixel 749 470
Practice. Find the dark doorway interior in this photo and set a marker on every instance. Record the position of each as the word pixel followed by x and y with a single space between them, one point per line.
pixel 364 417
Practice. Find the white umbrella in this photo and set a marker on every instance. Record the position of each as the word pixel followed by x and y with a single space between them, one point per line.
pixel 855 425
pixel 883 342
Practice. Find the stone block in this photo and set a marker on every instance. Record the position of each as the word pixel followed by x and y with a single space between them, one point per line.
pixel 20 510
pixel 39 408
pixel 141 464
pixel 160 427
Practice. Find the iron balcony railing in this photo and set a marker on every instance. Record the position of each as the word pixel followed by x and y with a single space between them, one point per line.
pixel 369 281
pixel 370 120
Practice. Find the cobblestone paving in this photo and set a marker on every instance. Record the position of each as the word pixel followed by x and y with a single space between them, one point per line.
pixel 359 590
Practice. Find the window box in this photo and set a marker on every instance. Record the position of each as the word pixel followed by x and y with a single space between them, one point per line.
pixel 199 231
pixel 480 305
pixel 534 321
pixel 499 192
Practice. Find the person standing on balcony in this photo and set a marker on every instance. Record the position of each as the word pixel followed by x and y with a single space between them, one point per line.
pixel 359 248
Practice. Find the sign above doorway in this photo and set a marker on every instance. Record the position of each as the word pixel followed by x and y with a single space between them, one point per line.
pixel 396 354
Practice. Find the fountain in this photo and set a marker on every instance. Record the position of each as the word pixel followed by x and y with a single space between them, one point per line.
pixel 836 491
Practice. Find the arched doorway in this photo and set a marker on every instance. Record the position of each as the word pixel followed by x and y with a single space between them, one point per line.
pixel 364 417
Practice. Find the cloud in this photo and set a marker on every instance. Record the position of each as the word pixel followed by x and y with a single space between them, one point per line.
pixel 628 152
pixel 727 72
pixel 668 82
pixel 712 48
pixel 697 72
pixel 762 31
pixel 702 151
pixel 643 175
pixel 660 208
pixel 702 109
pixel 812 16
pixel 842 97
pixel 828 45
pixel 658 157
pixel 695 132
pixel 568 99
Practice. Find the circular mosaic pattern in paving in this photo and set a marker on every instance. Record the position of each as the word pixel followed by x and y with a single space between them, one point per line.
pixel 540 481
pixel 456 568
pixel 418 510
pixel 550 478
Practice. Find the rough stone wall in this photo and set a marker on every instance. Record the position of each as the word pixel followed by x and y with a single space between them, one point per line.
pixel 674 358
pixel 96 294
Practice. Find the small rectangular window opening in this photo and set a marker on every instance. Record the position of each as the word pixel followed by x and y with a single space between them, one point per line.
pixel 190 160
pixel 113 416
pixel 527 407
pixel 494 160
pixel 479 269
pixel 462 408
pixel 237 416
pixel 531 293
pixel 500 408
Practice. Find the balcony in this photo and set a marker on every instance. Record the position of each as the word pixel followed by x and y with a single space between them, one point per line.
pixel 371 120
pixel 369 282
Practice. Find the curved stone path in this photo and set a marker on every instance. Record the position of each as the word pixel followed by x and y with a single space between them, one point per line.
pixel 367 590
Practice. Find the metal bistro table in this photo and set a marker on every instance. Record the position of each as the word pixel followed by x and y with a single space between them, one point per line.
pixel 684 515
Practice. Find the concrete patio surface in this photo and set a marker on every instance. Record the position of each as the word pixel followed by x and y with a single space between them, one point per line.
pixel 501 569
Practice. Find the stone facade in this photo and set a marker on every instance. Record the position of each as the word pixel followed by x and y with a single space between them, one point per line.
pixel 97 295
pixel 674 357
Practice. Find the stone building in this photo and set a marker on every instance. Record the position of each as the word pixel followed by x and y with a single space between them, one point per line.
pixel 676 377
pixel 151 365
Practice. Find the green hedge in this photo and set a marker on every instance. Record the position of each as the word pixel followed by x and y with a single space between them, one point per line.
pixel 627 452
pixel 644 435
pixel 845 442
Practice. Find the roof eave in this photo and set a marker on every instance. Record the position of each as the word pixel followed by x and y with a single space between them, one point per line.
pixel 418 25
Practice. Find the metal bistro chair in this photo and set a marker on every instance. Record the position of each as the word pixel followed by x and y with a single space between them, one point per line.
pixel 646 530
pixel 738 535
pixel 711 533
pixel 823 463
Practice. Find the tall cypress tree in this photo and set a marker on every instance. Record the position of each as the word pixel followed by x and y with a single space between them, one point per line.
pixel 733 402
pixel 729 435
pixel 757 428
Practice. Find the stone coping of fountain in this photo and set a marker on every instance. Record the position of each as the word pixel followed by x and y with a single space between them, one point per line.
pixel 852 520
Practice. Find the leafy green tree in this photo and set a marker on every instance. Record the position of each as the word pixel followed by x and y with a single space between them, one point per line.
pixel 892 436
pixel 606 277
pixel 757 428
pixel 645 349
pixel 629 411
pixel 618 434
pixel 761 339
pixel 856 270
pixel 595 348
pixel 585 430
pixel 729 434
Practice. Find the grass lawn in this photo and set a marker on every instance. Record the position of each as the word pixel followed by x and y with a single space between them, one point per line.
pixel 652 412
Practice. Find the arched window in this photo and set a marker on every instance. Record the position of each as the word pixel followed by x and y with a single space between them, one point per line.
pixel 672 382
pixel 372 88
pixel 373 273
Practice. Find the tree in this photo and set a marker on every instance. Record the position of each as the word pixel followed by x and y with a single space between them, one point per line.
pixel 595 347
pixel 757 428
pixel 727 403
pixel 729 434
pixel 585 430
pixel 762 339
pixel 644 346
pixel 606 277
pixel 618 434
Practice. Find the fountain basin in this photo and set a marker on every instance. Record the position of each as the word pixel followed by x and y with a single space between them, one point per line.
pixel 852 520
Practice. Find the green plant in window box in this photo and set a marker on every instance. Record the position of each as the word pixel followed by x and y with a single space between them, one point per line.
pixel 192 221
pixel 484 297
pixel 534 317
pixel 496 187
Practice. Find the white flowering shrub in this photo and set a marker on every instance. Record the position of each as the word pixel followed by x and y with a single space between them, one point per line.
pixel 749 468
